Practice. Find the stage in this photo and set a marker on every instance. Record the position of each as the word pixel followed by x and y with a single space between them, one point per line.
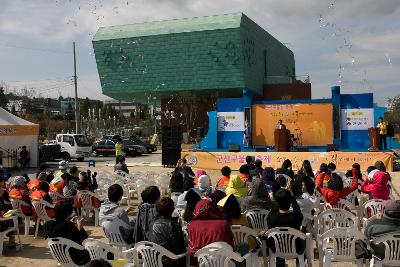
pixel 343 160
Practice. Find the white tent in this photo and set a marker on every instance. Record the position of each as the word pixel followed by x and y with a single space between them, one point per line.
pixel 15 133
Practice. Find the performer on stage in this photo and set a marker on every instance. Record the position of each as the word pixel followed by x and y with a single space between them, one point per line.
pixel 280 125
pixel 382 126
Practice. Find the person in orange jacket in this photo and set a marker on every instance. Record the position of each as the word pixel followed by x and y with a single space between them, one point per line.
pixel 224 180
pixel 19 191
pixel 42 193
pixel 335 190
pixel 33 184
pixel 83 184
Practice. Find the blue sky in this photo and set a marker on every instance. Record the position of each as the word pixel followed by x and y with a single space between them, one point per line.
pixel 354 44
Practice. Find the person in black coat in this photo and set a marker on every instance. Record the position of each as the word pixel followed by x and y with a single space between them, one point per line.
pixel 167 232
pixel 72 229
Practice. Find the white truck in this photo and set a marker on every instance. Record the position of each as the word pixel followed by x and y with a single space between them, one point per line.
pixel 74 146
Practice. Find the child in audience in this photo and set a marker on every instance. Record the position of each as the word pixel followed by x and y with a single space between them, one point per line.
pixel 113 209
pixel 224 180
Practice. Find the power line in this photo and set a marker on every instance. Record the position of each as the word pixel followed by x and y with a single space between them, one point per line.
pixel 36 49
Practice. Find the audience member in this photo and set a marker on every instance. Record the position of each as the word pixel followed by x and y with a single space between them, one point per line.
pixel 386 223
pixel 198 174
pixel 323 174
pixel 224 180
pixel 231 210
pixel 335 190
pixel 217 195
pixel 237 187
pixel 377 184
pixel 121 165
pixel 69 227
pixel 176 183
pixel 146 214
pixel 191 198
pixel 32 185
pixel 19 191
pixel 286 168
pixel 284 217
pixel 167 232
pixel 204 185
pixel 268 178
pixel 114 210
pixel 98 263
pixel 256 172
pixel 42 193
pixel 70 188
pixel 4 208
pixel 306 169
pixel 258 198
pixel 244 173
pixel 63 167
pixel 84 184
pixel 250 162
pixel 74 172
pixel 183 168
pixel 187 185
pixel 207 226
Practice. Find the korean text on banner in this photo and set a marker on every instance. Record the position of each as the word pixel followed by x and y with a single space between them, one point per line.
pixel 357 119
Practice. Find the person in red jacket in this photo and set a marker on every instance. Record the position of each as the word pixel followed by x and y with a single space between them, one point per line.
pixel 376 185
pixel 32 185
pixel 42 193
pixel 19 191
pixel 335 190
pixel 207 226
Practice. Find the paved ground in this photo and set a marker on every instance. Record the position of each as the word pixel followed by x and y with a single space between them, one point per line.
pixel 35 252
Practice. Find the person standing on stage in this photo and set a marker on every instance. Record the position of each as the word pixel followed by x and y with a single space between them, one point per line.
pixel 382 126
pixel 280 125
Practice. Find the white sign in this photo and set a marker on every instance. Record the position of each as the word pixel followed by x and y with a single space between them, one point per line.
pixel 357 118
pixel 230 121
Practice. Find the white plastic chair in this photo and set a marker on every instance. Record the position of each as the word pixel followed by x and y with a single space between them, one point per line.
pixel 217 255
pixel 99 250
pixel 285 245
pixel 151 254
pixel 87 205
pixel 333 218
pixel 55 196
pixel 241 235
pixel 370 209
pixel 257 219
pixel 59 248
pixel 41 213
pixel 14 229
pixel 392 250
pixel 339 245
pixel 111 228
pixel 16 204
pixel 342 204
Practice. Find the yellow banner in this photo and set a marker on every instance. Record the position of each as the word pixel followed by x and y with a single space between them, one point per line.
pixel 19 130
pixel 310 122
pixel 343 160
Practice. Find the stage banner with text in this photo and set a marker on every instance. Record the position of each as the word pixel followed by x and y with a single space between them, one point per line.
pixel 357 119
pixel 230 121
pixel 310 122
pixel 343 160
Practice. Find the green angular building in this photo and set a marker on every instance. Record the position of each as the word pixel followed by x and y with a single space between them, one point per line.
pixel 223 53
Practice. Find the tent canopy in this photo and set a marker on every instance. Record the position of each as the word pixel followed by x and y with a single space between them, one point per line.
pixel 11 125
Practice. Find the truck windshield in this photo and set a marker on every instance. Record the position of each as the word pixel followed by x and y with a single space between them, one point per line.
pixel 81 140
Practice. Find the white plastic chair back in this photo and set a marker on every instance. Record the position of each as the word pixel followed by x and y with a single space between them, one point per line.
pixel 333 218
pixel 392 250
pixel 242 233
pixel 339 244
pixel 16 204
pixel 99 250
pixel 10 229
pixel 285 242
pixel 40 209
pixel 257 219
pixel 59 248
pixel 111 228
pixel 55 196
pixel 373 207
pixel 86 198
pixel 344 204
pixel 152 254
pixel 120 174
pixel 215 255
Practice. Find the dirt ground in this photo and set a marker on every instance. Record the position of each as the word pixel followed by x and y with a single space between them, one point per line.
pixel 35 252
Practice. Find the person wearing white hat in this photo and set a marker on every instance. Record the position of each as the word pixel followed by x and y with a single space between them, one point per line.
pixel 204 185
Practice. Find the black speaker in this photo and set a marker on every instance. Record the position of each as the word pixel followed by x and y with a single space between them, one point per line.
pixel 234 148
pixel 170 156
pixel 171 136
pixel 390 130
pixel 261 149
pixel 332 147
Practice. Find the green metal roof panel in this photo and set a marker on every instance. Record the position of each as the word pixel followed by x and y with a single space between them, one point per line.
pixel 206 23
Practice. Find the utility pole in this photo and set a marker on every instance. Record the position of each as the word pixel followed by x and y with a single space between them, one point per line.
pixel 76 94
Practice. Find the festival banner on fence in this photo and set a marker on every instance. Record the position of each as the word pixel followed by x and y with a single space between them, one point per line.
pixel 343 160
